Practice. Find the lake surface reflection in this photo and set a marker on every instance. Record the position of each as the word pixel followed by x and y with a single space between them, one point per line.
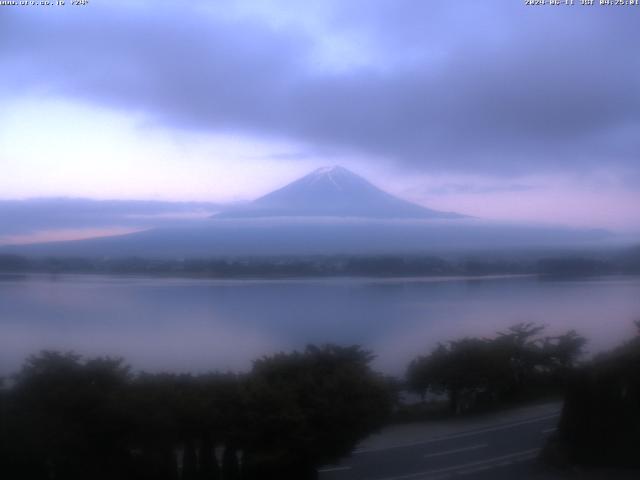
pixel 194 324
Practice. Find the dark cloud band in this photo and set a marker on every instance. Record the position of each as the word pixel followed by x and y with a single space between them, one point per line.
pixel 498 89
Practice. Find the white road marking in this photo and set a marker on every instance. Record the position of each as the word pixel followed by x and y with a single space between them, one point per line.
pixel 456 450
pixel 549 430
pixel 470 467
pixel 333 469
pixel 458 435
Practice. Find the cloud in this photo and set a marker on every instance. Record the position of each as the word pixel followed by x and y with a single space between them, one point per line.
pixel 492 87
pixel 23 219
pixel 462 188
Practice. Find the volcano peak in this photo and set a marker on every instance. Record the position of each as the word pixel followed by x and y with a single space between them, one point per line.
pixel 332 191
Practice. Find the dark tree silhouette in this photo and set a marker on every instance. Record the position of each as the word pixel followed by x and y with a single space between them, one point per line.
pixel 310 408
pixel 600 422
pixel 477 372
pixel 66 418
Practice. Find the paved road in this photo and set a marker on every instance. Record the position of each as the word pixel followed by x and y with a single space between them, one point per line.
pixel 495 450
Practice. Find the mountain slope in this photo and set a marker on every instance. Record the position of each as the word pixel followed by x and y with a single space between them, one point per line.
pixel 332 192
pixel 239 237
pixel 330 211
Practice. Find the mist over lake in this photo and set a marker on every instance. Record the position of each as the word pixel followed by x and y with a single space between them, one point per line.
pixel 180 324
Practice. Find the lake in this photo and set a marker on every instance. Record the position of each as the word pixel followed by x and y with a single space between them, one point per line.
pixel 184 324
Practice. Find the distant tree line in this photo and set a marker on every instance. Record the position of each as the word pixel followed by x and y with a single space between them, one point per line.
pixel 65 418
pixel 568 265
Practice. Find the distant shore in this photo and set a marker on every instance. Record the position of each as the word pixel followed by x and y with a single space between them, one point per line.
pixel 396 266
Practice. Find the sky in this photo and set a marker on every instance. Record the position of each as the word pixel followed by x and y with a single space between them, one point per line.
pixel 489 108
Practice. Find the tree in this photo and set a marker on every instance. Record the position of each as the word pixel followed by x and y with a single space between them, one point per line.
pixel 477 371
pixel 67 418
pixel 310 408
pixel 600 422
pixel 470 371
pixel 562 352
pixel 66 422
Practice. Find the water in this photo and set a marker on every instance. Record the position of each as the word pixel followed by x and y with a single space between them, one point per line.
pixel 195 324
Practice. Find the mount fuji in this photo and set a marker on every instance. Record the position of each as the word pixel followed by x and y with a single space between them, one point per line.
pixel 332 192
pixel 329 211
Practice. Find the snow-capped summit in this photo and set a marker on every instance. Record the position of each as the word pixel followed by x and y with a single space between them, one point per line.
pixel 332 192
pixel 328 170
